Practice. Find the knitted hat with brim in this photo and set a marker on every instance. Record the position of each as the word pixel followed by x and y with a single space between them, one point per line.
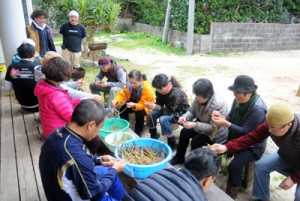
pixel 279 114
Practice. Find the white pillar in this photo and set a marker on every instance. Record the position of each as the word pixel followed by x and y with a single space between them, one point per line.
pixel 190 33
pixel 12 27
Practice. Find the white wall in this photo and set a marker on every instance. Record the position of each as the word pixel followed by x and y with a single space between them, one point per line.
pixel 12 27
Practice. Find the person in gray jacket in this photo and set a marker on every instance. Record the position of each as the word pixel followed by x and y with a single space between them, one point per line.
pixel 197 121
pixel 188 183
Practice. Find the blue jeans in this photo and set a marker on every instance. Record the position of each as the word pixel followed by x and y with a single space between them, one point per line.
pixel 116 191
pixel 164 120
pixel 262 170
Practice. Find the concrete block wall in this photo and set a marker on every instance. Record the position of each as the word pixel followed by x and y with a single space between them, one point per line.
pixel 235 37
pixel 177 38
pixel 244 37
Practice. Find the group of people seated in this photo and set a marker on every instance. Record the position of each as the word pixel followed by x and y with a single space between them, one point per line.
pixel 71 121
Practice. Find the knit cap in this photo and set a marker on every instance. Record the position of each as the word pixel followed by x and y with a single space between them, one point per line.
pixel 279 114
pixel 29 41
pixel 73 13
pixel 103 61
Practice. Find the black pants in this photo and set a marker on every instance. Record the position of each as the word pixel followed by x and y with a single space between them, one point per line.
pixel 139 118
pixel 198 140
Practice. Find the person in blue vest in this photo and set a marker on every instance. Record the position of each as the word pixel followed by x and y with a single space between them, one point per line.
pixel 247 112
pixel 68 169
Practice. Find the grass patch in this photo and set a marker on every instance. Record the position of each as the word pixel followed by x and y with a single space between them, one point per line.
pixel 225 54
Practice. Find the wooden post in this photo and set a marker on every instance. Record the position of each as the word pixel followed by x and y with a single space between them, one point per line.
pixel 167 22
pixel 190 33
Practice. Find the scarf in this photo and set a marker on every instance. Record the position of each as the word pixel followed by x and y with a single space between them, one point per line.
pixel 239 112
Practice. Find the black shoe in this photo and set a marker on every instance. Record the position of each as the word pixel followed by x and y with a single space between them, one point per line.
pixel 157 136
pixel 172 143
pixel 175 161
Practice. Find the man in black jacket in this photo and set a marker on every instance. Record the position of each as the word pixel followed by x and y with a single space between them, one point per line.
pixel 188 183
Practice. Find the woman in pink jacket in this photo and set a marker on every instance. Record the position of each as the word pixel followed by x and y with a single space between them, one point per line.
pixel 55 105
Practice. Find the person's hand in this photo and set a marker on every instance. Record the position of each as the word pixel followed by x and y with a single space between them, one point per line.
pixel 130 105
pixel 150 105
pixel 182 120
pixel 218 148
pixel 218 120
pixel 189 124
pixel 287 183
pixel 103 84
pixel 216 113
pixel 119 165
pixel 97 83
pixel 108 160
pixel 114 103
pixel 98 98
pixel 80 83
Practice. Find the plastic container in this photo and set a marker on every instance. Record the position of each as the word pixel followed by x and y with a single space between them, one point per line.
pixel 113 125
pixel 117 137
pixel 143 171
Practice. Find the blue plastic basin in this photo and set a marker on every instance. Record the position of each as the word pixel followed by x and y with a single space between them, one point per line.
pixel 143 171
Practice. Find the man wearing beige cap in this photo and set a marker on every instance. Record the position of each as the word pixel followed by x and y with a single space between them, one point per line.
pixel 73 34
pixel 283 126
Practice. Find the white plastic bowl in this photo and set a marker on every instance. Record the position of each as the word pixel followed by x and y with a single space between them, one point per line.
pixel 113 140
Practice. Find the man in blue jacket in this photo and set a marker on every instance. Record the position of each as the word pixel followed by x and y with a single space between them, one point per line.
pixel 188 183
pixel 68 169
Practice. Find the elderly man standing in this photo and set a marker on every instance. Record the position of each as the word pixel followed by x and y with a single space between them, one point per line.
pixel 116 79
pixel 283 126
pixel 73 34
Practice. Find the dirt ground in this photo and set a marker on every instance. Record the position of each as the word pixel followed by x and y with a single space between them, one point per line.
pixel 276 74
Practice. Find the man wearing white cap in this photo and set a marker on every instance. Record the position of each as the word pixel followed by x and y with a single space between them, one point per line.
pixel 283 126
pixel 73 34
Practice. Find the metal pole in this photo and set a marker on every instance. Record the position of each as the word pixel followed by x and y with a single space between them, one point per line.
pixel 190 33
pixel 167 22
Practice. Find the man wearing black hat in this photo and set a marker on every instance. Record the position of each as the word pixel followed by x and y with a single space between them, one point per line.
pixel 247 112
pixel 116 79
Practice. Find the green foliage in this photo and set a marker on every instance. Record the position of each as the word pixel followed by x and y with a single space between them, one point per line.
pixel 124 28
pixel 206 11
pixel 149 11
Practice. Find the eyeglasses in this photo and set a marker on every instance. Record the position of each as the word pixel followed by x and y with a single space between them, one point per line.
pixel 274 129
